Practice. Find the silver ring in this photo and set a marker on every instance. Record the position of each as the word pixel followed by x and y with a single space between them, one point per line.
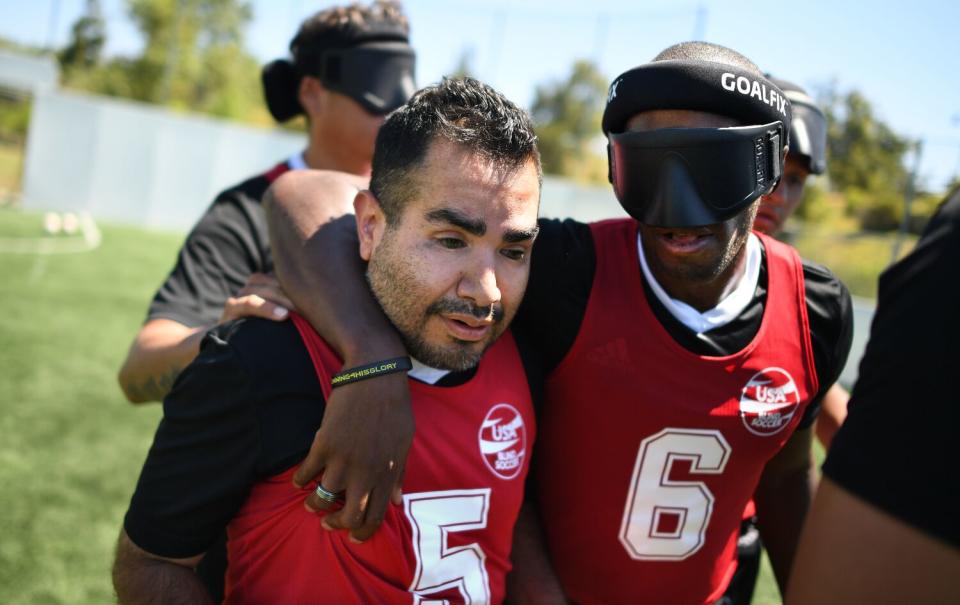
pixel 325 495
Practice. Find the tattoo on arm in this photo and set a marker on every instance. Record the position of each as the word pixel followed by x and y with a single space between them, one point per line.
pixel 155 388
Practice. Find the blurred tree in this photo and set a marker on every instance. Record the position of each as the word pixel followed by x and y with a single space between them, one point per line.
pixel 87 37
pixel 193 55
pixel 193 58
pixel 567 116
pixel 866 160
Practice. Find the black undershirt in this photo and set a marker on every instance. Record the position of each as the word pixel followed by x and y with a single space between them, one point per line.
pixel 894 449
pixel 561 279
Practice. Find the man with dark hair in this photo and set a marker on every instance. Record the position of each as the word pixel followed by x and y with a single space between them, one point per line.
pixel 447 233
pixel 350 67
pixel 684 354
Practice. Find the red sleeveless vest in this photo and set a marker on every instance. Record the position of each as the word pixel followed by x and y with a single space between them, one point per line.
pixel 451 538
pixel 649 453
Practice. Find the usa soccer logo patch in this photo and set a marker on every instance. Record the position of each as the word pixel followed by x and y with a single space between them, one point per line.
pixel 503 441
pixel 769 401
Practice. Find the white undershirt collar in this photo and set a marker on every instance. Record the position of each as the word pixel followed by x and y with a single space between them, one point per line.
pixel 296 162
pixel 425 373
pixel 727 309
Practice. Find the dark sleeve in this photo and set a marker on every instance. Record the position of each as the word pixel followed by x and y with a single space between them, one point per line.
pixel 561 276
pixel 203 458
pixel 830 312
pixel 894 449
pixel 220 253
pixel 245 409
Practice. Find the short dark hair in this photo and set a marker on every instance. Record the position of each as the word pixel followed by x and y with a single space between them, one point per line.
pixel 707 51
pixel 460 110
pixel 346 26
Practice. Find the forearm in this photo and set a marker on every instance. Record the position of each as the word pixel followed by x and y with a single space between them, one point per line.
pixel 532 581
pixel 783 500
pixel 315 248
pixel 159 352
pixel 140 579
pixel 832 414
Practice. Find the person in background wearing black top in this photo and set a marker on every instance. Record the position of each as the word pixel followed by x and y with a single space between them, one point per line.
pixel 704 299
pixel 808 155
pixel 884 527
pixel 350 67
pixel 447 227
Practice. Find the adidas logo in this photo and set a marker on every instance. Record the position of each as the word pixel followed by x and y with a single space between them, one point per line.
pixel 612 354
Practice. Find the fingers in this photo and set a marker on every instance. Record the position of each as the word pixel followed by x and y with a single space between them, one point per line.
pixel 376 511
pixel 266 287
pixel 312 465
pixel 261 296
pixel 317 502
pixel 352 515
pixel 396 495
pixel 332 483
pixel 252 305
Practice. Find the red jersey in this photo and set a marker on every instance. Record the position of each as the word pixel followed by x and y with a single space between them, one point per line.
pixel 650 452
pixel 449 540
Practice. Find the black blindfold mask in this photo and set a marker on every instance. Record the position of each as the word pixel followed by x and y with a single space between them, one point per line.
pixel 691 177
pixel 379 76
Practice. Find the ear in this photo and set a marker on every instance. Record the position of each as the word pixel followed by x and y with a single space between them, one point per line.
pixel 371 222
pixel 312 95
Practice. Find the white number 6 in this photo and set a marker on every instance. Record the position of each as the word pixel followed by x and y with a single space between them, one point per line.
pixel 665 519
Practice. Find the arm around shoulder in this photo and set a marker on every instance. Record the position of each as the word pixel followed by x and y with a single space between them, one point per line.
pixel 368 426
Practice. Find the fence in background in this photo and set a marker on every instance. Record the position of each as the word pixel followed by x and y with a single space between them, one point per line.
pixel 135 163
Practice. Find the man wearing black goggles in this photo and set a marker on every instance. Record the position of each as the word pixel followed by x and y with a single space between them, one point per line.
pixel 349 67
pixel 683 354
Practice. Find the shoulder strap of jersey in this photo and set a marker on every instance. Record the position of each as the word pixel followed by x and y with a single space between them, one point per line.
pixel 325 361
pixel 275 172
pixel 784 264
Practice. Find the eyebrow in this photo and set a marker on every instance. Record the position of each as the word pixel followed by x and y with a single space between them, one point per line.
pixel 458 219
pixel 477 226
pixel 514 236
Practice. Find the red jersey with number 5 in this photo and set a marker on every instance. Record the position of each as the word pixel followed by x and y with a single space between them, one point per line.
pixel 649 453
pixel 448 542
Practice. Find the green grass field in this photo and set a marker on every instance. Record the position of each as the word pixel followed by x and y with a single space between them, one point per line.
pixel 70 445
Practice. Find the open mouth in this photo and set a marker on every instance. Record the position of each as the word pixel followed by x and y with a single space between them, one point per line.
pixel 467 328
pixel 685 241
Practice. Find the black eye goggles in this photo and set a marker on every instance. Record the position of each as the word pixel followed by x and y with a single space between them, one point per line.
pixel 808 134
pixel 380 76
pixel 691 177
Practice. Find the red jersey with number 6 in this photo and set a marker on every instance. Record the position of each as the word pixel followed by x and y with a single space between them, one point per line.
pixel 448 542
pixel 649 453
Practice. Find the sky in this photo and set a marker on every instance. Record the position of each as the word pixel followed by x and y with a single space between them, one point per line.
pixel 903 56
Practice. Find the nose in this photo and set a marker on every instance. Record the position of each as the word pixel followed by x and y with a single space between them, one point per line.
pixel 479 284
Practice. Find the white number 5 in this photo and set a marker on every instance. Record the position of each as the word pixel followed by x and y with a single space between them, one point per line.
pixel 666 519
pixel 440 568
